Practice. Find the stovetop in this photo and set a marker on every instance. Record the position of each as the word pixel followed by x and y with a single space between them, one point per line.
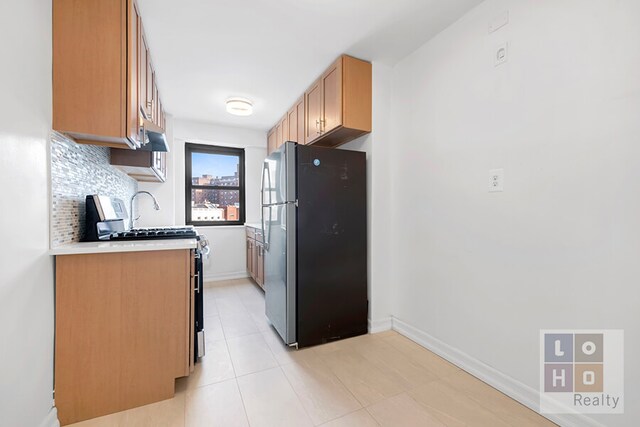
pixel 155 233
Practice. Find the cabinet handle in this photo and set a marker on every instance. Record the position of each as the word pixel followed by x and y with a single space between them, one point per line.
pixel 318 127
pixel 197 282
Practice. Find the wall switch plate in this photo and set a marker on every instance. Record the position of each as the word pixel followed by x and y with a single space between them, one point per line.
pixel 499 21
pixel 496 180
pixel 500 54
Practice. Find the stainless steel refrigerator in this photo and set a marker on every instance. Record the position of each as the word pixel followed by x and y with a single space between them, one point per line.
pixel 314 221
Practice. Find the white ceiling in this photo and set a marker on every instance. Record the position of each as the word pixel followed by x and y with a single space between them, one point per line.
pixel 205 51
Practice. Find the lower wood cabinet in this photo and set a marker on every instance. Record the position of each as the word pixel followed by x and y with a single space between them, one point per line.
pixel 122 330
pixel 255 255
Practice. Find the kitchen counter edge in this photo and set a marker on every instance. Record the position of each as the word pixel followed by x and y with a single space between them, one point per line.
pixel 123 246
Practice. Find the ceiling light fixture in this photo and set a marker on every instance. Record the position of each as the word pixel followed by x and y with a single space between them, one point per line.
pixel 239 106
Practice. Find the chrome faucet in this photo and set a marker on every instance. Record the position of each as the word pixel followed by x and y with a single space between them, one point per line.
pixel 156 206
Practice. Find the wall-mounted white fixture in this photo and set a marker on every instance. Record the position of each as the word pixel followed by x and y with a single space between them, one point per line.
pixel 501 54
pixel 239 106
pixel 496 180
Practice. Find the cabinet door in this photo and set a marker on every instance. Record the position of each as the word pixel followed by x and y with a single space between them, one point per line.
pixel 271 141
pixel 300 118
pixel 249 257
pixel 331 84
pixel 278 134
pixel 160 163
pixel 284 124
pixel 313 111
pixel 142 71
pixel 292 120
pixel 149 95
pixel 254 260
pixel 133 20
pixel 156 95
pixel 154 99
pixel 260 266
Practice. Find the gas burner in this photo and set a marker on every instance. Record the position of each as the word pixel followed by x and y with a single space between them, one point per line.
pixel 155 233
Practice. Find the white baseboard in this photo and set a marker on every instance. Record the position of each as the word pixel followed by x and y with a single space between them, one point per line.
pixel 379 325
pixel 513 388
pixel 51 420
pixel 225 276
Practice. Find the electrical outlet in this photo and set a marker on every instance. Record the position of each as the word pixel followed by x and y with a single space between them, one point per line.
pixel 496 180
pixel 500 54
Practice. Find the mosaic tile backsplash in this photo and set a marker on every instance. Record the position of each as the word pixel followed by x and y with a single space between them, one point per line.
pixel 78 170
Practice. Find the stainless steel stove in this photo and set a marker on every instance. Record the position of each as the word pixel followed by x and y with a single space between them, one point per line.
pixel 106 219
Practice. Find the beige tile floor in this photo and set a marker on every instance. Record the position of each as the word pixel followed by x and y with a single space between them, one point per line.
pixel 249 378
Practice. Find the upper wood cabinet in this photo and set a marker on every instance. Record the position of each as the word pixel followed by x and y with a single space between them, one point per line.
pixel 278 132
pixel 339 103
pixel 272 142
pixel 284 126
pixel 295 117
pixel 103 79
pixel 313 111
pixel 335 109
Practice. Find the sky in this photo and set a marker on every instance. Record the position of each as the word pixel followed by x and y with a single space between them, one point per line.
pixel 213 164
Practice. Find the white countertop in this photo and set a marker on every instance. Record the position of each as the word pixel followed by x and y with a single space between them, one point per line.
pixel 123 246
pixel 255 225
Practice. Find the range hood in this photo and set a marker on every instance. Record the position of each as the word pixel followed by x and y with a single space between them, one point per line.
pixel 153 135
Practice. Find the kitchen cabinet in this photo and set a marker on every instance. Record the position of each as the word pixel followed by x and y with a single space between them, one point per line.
pixel 313 111
pixel 284 124
pixel 338 104
pixel 255 255
pixel 260 264
pixel 104 84
pixel 141 165
pixel 335 109
pixel 295 118
pixel 278 134
pixel 271 141
pixel 250 252
pixel 123 330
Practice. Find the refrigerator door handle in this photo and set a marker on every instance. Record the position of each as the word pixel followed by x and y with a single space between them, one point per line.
pixel 267 236
pixel 267 242
pixel 264 167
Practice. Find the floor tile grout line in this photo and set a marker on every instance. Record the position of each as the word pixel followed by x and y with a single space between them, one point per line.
pixel 371 415
pixel 340 380
pixel 284 374
pixel 297 395
pixel 244 407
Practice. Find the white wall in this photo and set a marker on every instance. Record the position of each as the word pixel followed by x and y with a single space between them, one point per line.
pixel 377 145
pixel 228 257
pixel 26 270
pixel 484 272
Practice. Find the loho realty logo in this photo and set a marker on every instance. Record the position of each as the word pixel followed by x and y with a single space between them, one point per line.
pixel 582 371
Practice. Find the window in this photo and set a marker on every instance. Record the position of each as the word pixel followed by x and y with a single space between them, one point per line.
pixel 214 185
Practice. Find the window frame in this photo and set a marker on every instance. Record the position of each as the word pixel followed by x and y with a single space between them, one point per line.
pixel 191 148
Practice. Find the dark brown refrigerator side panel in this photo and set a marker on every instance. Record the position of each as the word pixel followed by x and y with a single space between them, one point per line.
pixel 332 244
